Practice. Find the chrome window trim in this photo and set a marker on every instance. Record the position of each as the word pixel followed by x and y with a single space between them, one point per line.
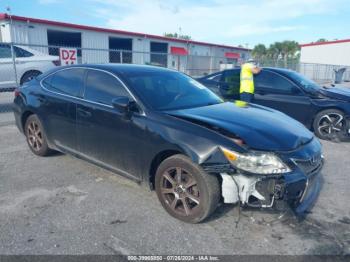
pixel 85 100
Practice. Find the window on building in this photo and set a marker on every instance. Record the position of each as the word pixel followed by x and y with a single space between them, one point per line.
pixel 116 43
pixel 63 39
pixel 159 54
pixel 68 82
pixel 102 87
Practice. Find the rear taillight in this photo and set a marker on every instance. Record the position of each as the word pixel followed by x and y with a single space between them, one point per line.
pixel 16 93
pixel 56 62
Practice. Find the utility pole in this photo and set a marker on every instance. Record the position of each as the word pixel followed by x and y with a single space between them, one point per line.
pixel 8 9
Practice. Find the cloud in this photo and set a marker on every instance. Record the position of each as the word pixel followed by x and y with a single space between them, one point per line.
pixel 212 19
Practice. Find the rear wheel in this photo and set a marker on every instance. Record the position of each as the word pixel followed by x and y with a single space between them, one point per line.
pixel 36 137
pixel 330 125
pixel 185 190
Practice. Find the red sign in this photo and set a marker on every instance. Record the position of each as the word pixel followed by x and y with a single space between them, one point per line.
pixel 68 56
pixel 232 55
pixel 178 50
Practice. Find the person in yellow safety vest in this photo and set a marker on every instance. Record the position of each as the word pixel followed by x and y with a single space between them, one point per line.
pixel 248 69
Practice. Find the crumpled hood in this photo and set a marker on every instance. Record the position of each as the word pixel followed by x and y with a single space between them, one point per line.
pixel 342 93
pixel 260 127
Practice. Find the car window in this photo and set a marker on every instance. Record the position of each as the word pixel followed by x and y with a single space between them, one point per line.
pixel 5 51
pixel 272 83
pixel 232 79
pixel 102 87
pixel 21 52
pixel 215 77
pixel 68 82
pixel 167 90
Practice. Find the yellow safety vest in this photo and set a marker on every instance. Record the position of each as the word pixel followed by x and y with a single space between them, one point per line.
pixel 247 80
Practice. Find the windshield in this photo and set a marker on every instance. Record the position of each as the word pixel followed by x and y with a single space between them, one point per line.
pixel 166 90
pixel 306 83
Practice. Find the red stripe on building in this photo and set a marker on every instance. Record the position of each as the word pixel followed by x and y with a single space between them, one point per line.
pixel 326 43
pixel 4 16
pixel 232 55
pixel 178 50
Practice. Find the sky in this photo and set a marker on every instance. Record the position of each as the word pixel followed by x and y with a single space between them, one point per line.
pixel 230 22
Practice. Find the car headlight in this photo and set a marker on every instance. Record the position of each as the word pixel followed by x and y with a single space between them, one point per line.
pixel 256 162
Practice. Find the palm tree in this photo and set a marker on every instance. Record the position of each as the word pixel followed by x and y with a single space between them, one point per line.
pixel 259 52
pixel 289 50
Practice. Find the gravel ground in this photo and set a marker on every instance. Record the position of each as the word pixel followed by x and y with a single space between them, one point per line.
pixel 61 205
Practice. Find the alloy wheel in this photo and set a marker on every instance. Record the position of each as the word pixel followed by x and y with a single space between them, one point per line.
pixel 35 136
pixel 180 191
pixel 330 124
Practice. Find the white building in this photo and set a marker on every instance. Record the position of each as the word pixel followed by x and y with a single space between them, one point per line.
pixel 95 45
pixel 330 53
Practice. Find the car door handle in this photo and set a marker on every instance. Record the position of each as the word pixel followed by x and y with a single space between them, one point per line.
pixel 84 113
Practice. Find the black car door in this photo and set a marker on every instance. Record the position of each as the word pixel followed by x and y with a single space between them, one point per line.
pixel 275 91
pixel 104 133
pixel 212 81
pixel 230 84
pixel 58 106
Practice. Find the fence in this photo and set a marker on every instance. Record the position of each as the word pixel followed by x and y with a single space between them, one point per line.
pixel 17 59
pixel 321 73
pixel 20 62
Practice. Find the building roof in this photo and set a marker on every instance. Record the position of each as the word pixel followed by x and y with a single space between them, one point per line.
pixel 4 16
pixel 326 43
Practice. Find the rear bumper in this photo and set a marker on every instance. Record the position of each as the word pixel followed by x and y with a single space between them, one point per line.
pixel 17 113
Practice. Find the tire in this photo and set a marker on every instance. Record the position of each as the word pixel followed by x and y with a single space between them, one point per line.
pixel 36 137
pixel 29 76
pixel 330 124
pixel 192 198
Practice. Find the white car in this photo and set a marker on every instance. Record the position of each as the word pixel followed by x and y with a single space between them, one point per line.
pixel 29 63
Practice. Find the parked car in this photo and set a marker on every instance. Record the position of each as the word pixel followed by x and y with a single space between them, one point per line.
pixel 166 130
pixel 324 110
pixel 29 63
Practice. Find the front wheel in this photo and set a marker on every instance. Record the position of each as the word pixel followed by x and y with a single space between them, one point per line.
pixel 185 190
pixel 330 125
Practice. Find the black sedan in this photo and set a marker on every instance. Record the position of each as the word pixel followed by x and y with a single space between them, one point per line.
pixel 163 129
pixel 324 110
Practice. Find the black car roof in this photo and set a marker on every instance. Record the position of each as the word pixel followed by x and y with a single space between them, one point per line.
pixel 123 68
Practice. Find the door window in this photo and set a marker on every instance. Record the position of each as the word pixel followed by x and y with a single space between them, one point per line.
pixel 21 52
pixel 102 87
pixel 232 79
pixel 272 83
pixel 5 51
pixel 68 82
pixel 215 77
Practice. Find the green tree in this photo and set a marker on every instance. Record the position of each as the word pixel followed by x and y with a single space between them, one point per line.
pixel 259 52
pixel 321 40
pixel 289 50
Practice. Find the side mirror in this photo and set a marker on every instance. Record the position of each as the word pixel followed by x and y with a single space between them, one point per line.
pixel 124 104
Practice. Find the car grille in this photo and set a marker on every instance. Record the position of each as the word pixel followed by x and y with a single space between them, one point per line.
pixel 310 166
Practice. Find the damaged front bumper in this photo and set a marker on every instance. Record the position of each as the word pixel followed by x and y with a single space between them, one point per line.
pixel 298 189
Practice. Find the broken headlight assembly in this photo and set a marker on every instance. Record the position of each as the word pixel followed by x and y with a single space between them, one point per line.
pixel 256 162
